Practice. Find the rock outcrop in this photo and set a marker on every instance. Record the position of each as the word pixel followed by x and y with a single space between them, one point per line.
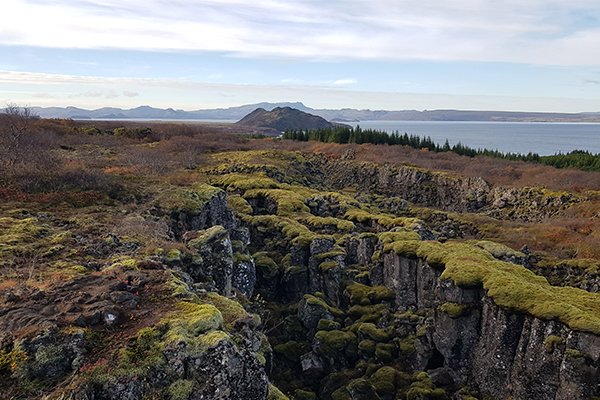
pixel 506 355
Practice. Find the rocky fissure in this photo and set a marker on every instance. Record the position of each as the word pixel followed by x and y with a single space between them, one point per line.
pixel 272 287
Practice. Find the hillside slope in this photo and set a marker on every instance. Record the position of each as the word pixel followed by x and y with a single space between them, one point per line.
pixel 282 118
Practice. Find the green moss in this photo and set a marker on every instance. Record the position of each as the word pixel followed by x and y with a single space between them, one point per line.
pixel 194 320
pixel 406 248
pixel 409 316
pixel 300 394
pixel 384 381
pixel 552 341
pixel 22 237
pixel 574 353
pixel 454 310
pixel 376 256
pixel 365 295
pixel 340 394
pixel 239 204
pixel 498 250
pixel 466 393
pixel 367 346
pixel 512 286
pixel 406 345
pixel 315 301
pixel 339 224
pixel 265 265
pixel 385 352
pixel 368 330
pixel 336 251
pixel 391 237
pixel 245 182
pixel 191 200
pixel 328 325
pixel 367 313
pixel 422 331
pixel 177 287
pixel 327 265
pixel 181 389
pixel 275 394
pixel 240 257
pixel 422 387
pixel 288 201
pixel 61 238
pixel 230 309
pixel 291 350
pixel 172 255
pixel 332 343
pixel 141 356
pixel 208 235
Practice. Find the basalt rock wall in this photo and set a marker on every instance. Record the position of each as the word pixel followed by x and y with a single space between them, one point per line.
pixel 505 355
pixel 413 184
pixel 444 191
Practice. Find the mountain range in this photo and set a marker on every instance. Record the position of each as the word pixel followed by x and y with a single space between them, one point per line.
pixel 339 115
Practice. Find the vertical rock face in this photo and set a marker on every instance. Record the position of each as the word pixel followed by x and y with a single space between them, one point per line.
pixel 213 211
pixel 203 219
pixel 217 262
pixel 412 184
pixel 214 247
pixel 324 267
pixel 506 355
pixel 234 374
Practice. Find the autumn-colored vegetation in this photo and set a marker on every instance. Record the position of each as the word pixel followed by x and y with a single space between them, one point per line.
pixel 579 159
pixel 65 163
pixel 94 200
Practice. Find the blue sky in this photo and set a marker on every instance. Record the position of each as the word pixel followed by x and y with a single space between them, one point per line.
pixel 536 55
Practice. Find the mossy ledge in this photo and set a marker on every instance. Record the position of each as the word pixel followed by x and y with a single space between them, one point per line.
pixel 510 286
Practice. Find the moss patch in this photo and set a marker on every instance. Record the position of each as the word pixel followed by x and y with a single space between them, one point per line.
pixel 513 287
pixel 366 295
pixel 454 310
pixel 332 343
pixel 552 341
pixel 191 199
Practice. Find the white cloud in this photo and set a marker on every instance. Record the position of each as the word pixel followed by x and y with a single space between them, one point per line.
pixel 347 81
pixel 535 31
pixel 42 96
pixel 90 92
pixel 127 93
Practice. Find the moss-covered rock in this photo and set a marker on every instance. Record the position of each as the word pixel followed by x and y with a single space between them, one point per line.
pixel 369 331
pixel 366 295
pixel 333 343
pixel 384 381
pixel 312 309
pixel 275 394
pixel 454 310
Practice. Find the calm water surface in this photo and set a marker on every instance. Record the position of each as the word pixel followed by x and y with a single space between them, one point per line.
pixel 544 138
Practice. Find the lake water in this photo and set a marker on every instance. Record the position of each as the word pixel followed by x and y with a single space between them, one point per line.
pixel 544 138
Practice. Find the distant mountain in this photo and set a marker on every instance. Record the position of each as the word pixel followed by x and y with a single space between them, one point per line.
pixel 146 112
pixel 282 118
pixel 341 115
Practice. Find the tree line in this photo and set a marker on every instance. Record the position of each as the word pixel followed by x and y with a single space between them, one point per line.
pixel 578 159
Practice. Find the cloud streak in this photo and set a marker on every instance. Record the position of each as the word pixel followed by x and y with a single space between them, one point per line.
pixel 536 31
pixel 190 95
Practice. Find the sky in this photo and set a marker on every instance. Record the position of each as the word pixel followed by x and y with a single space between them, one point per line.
pixel 534 55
